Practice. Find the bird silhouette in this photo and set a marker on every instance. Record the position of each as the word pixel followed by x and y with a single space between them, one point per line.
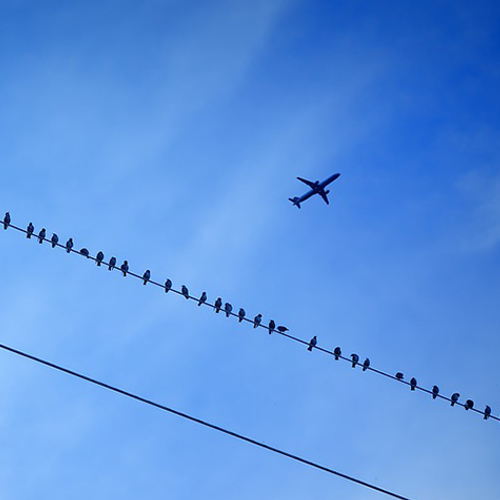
pixel 54 240
pixel 435 392
pixel 282 329
pixel 257 320
pixel 469 404
pixel 366 364
pixel 355 360
pixel 146 276
pixel 168 285
pixel 185 291
pixel 30 230
pixel 203 298
pixel 41 235
pixel 99 257
pixel 400 376
pixel 228 308
pixel 487 412
pixel 124 268
pixel 454 398
pixel 312 343
pixel 241 314
pixel 337 352
pixel 218 304
pixel 6 220
pixel 271 326
pixel 112 263
pixel 85 252
pixel 413 383
pixel 69 245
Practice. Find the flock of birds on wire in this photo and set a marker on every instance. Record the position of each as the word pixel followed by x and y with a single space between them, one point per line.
pixel 227 308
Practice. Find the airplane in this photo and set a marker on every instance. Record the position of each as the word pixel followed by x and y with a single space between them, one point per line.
pixel 316 188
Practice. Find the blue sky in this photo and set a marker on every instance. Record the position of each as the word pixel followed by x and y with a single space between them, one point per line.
pixel 170 134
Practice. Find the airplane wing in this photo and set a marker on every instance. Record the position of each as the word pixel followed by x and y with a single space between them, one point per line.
pixel 324 195
pixel 305 181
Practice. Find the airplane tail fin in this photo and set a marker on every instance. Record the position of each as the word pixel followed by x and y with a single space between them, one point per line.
pixel 295 201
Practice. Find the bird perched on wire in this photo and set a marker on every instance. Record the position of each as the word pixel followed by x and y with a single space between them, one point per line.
pixel 99 258
pixel 124 268
pixel 337 352
pixel 257 320
pixel 454 398
pixel 54 240
pixel 203 298
pixel 6 220
pixel 435 392
pixel 282 329
pixel 469 404
pixel 366 364
pixel 312 343
pixel 168 285
pixel 69 245
pixel 112 263
pixel 30 230
pixel 241 315
pixel 218 304
pixel 185 291
pixel 228 308
pixel 355 360
pixel 146 276
pixel 413 383
pixel 487 412
pixel 85 252
pixel 400 376
pixel 271 326
pixel 41 235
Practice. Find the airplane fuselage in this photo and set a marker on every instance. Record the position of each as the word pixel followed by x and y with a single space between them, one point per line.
pixel 329 180
pixel 306 196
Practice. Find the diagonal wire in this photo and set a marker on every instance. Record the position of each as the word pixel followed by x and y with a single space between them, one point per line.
pixel 270 330
pixel 201 422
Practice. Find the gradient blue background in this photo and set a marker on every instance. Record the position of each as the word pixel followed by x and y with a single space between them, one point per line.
pixel 170 134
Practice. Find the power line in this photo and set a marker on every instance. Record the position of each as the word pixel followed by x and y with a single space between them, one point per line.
pixel 201 422
pixel 260 325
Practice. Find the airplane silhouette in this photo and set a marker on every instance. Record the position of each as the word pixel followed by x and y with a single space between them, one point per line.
pixel 316 188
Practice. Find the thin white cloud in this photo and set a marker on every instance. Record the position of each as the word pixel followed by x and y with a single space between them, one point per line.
pixel 482 223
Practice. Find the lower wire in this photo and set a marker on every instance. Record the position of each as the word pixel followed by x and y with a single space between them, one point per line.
pixel 200 421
